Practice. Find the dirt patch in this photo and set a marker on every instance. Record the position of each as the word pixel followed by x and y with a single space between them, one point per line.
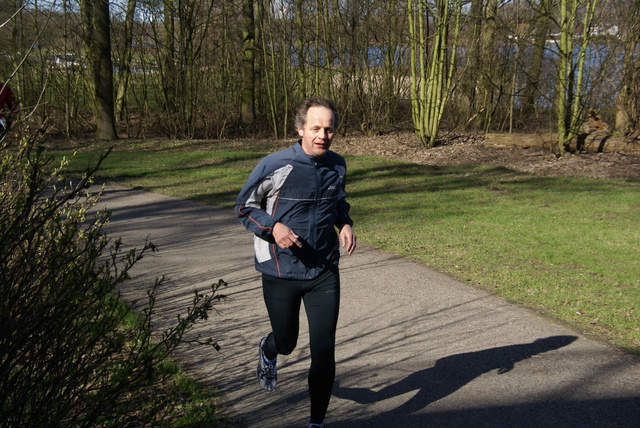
pixel 470 150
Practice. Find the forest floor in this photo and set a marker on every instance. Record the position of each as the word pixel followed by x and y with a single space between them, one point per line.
pixel 470 150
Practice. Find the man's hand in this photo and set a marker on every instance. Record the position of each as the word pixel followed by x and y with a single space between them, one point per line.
pixel 348 238
pixel 284 236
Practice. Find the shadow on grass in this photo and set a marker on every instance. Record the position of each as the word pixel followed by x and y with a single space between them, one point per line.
pixel 414 178
pixel 384 178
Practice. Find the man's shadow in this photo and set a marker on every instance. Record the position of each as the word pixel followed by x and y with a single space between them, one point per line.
pixel 451 373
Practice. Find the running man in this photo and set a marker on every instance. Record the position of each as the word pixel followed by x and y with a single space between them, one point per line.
pixel 294 202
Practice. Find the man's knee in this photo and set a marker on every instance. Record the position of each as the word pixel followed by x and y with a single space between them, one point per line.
pixel 323 353
pixel 286 347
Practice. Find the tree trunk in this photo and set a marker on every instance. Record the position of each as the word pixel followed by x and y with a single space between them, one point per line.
pixel 570 84
pixel 248 63
pixel 564 80
pixel 628 98
pixel 478 86
pixel 432 89
pixel 471 84
pixel 97 35
pixel 302 73
pixel 487 72
pixel 124 67
pixel 531 89
pixel 168 54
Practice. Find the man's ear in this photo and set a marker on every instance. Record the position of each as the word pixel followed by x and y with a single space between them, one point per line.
pixel 300 132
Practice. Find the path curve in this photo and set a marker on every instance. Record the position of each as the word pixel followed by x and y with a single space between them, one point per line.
pixel 415 347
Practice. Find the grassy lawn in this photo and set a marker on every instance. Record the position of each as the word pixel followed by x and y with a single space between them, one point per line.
pixel 565 247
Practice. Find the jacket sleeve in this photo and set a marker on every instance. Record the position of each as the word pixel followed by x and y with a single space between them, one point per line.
pixel 343 214
pixel 250 203
pixel 343 208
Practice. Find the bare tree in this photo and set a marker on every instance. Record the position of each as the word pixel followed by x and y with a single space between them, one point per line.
pixel 97 37
pixel 627 119
pixel 432 76
pixel 126 56
pixel 193 68
pixel 571 68
pixel 542 25
pixel 481 57
pixel 302 50
pixel 275 73
pixel 248 62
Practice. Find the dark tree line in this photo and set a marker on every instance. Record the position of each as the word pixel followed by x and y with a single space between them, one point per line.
pixel 209 69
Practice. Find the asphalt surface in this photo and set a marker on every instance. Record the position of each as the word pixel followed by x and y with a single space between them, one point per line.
pixel 415 347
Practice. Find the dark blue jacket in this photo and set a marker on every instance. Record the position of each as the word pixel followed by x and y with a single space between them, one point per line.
pixel 307 195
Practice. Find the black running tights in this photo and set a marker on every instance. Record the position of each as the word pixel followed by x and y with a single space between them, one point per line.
pixel 321 298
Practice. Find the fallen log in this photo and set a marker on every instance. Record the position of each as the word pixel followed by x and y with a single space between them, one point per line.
pixel 596 142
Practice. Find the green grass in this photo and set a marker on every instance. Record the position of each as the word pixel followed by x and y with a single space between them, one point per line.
pixel 566 247
pixel 180 401
pixel 200 404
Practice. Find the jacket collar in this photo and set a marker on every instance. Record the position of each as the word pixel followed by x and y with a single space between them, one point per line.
pixel 300 152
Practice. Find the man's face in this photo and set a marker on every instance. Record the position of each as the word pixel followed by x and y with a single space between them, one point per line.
pixel 317 133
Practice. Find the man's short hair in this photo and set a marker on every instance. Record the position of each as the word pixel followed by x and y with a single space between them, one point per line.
pixel 301 112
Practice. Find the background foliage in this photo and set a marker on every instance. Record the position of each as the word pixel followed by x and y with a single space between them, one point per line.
pixel 180 66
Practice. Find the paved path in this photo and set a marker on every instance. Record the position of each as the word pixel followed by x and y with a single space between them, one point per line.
pixel 416 348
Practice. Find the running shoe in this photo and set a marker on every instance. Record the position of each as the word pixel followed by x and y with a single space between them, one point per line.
pixel 267 372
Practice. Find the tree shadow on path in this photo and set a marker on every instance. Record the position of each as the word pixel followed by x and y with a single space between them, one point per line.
pixel 452 373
